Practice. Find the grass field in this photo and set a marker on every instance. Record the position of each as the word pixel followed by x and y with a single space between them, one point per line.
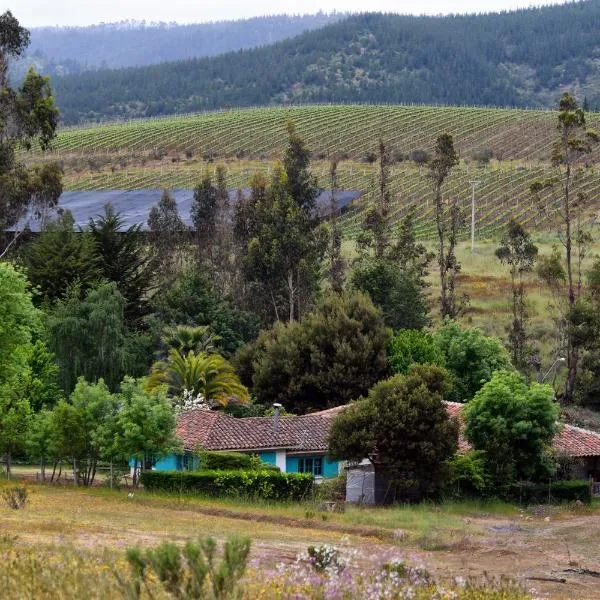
pixel 466 539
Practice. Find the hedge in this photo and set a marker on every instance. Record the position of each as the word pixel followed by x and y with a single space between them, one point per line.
pixel 225 461
pixel 265 484
pixel 560 491
pixel 232 461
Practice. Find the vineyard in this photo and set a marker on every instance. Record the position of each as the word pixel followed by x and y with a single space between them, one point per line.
pixel 173 152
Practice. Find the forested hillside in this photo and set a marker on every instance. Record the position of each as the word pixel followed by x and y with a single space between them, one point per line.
pixel 521 58
pixel 65 50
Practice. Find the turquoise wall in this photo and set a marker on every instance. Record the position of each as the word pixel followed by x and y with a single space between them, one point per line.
pixel 268 457
pixel 329 467
pixel 173 462
pixel 167 463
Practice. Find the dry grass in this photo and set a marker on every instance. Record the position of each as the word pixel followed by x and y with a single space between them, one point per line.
pixel 464 538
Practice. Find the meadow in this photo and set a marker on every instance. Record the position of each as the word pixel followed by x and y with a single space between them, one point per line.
pixel 73 539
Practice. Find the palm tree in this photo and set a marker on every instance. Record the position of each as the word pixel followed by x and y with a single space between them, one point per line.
pixel 207 375
pixel 186 339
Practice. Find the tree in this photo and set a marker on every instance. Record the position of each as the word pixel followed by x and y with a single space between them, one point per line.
pixel 514 424
pixel 470 357
pixel 185 339
pixel 89 337
pixel 124 259
pixel 448 220
pixel 146 425
pixel 376 227
pixel 574 142
pixel 18 321
pixel 285 250
pixel 404 428
pixel 97 409
pixel 27 116
pixel 191 301
pixel 168 233
pixel 39 382
pixel 206 375
pixel 301 184
pixel 211 215
pixel 397 292
pixel 519 253
pixel 410 346
pixel 337 264
pixel 39 442
pixel 61 257
pixel 329 357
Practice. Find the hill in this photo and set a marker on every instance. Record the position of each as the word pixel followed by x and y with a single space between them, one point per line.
pixel 173 152
pixel 64 50
pixel 521 58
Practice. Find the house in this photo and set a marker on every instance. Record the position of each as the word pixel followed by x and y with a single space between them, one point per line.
pixel 299 443
pixel 296 444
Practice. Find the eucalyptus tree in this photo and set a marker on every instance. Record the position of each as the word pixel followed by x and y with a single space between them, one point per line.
pixel 28 117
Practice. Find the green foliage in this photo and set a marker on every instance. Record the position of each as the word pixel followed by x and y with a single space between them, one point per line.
pixel 553 491
pixel 145 424
pixel 468 475
pixel 89 337
pixel 224 461
pixel 207 375
pixel 39 383
pixel 471 358
pixel 18 321
pixel 410 346
pixel 185 339
pixel 404 427
pixel 264 484
pixel 519 253
pixel 61 257
pixel 191 572
pixel 124 259
pixel 514 424
pixel 397 292
pixel 329 357
pixel 192 301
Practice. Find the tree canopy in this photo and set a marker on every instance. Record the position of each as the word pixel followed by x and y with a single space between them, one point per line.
pixel 404 428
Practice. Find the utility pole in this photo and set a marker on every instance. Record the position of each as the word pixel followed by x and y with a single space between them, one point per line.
pixel 473 185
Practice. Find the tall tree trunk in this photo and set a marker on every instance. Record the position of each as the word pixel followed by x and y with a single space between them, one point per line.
pixel 8 463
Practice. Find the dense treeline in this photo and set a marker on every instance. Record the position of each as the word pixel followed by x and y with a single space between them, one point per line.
pixel 63 50
pixel 515 59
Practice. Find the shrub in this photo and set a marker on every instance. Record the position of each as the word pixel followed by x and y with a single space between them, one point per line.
pixel 16 497
pixel 555 491
pixel 225 461
pixel 191 571
pixel 467 473
pixel 264 484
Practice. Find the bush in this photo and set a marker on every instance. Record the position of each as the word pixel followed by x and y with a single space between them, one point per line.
pixel 264 484
pixel 411 346
pixel 16 497
pixel 467 474
pixel 185 572
pixel 555 492
pixel 225 461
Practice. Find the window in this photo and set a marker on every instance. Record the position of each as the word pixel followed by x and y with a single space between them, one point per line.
pixel 311 465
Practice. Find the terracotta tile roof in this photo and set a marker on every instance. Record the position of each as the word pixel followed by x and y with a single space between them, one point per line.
pixel 219 431
pixel 575 441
